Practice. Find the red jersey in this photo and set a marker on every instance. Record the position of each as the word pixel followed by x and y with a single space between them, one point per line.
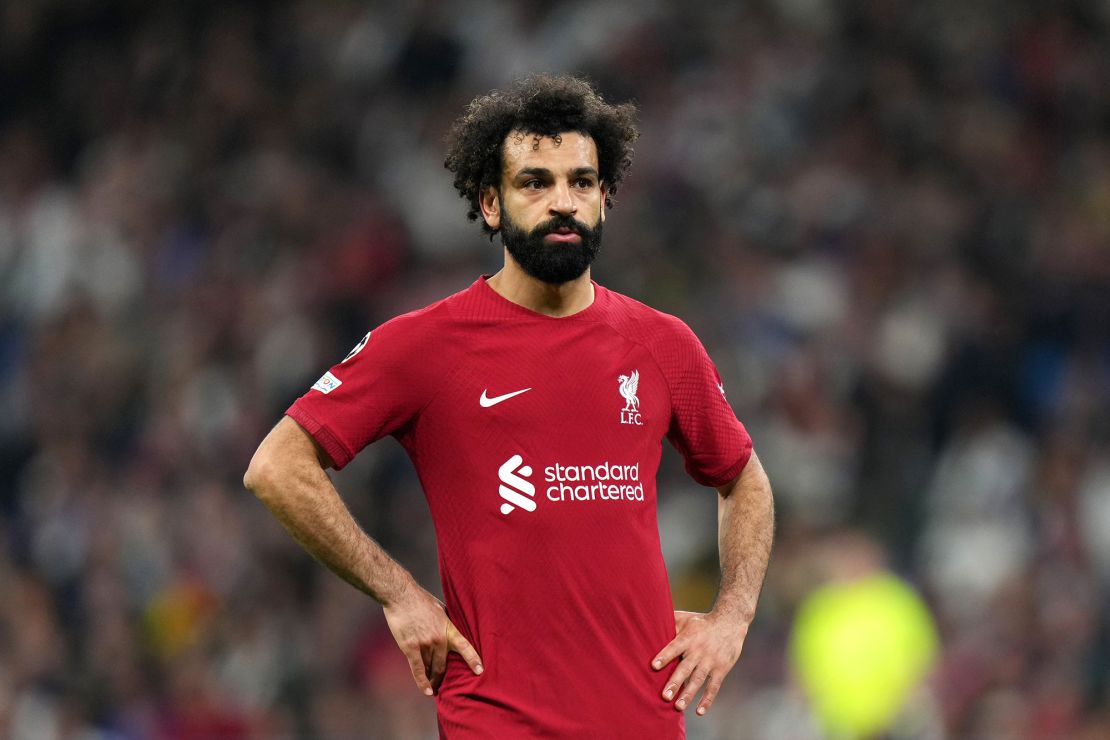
pixel 537 442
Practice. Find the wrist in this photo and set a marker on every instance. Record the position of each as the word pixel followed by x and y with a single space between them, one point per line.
pixel 733 613
pixel 400 589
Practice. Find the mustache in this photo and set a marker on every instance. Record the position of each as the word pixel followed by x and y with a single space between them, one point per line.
pixel 562 222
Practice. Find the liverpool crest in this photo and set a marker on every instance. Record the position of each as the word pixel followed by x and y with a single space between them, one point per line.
pixel 628 385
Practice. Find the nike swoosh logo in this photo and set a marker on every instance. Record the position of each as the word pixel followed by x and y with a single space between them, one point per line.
pixel 487 402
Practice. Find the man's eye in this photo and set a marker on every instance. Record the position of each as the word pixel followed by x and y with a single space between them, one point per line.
pixel 585 183
pixel 533 185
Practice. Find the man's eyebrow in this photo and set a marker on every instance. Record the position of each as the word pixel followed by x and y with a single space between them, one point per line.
pixel 534 171
pixel 544 172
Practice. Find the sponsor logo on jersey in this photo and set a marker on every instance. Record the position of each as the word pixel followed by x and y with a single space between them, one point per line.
pixel 327 383
pixel 515 490
pixel 628 385
pixel 357 348
pixel 604 481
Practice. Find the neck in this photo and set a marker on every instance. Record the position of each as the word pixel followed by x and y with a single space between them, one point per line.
pixel 514 284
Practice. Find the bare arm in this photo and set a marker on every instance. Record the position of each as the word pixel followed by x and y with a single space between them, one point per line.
pixel 709 645
pixel 287 475
pixel 745 526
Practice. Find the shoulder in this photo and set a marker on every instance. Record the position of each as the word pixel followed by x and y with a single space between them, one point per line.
pixel 645 325
pixel 672 344
pixel 402 343
pixel 421 325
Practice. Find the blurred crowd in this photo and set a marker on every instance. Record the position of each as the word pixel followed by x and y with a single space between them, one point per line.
pixel 888 220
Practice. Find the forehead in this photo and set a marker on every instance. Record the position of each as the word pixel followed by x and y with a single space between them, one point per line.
pixel 570 151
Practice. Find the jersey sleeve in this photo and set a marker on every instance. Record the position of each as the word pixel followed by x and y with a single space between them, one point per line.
pixel 703 427
pixel 375 391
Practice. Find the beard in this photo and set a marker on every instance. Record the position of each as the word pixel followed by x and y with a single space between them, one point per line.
pixel 551 262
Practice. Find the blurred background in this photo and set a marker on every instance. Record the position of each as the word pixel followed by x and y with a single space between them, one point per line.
pixel 888 220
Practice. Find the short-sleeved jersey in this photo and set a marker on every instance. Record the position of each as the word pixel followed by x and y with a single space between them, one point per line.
pixel 537 442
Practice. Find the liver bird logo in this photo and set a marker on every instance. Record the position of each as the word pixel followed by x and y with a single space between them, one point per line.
pixel 628 386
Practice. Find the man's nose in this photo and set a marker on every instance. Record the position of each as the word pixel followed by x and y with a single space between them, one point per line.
pixel 562 202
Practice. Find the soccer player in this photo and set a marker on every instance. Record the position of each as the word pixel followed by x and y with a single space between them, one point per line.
pixel 533 405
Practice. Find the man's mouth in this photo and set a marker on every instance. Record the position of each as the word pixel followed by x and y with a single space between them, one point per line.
pixel 563 234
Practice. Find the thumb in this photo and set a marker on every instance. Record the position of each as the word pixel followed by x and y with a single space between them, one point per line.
pixel 458 643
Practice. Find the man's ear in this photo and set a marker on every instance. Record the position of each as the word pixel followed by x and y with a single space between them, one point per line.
pixel 604 198
pixel 490 202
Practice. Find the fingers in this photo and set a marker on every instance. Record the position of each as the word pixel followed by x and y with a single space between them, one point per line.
pixel 419 672
pixel 677 646
pixel 674 684
pixel 458 643
pixel 435 656
pixel 711 690
pixel 673 649
pixel 437 665
pixel 425 635
pixel 706 652
pixel 693 684
pixel 687 679
pixel 428 658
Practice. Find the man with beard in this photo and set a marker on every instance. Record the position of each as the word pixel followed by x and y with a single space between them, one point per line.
pixel 533 405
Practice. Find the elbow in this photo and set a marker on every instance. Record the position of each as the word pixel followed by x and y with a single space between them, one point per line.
pixel 261 474
pixel 286 459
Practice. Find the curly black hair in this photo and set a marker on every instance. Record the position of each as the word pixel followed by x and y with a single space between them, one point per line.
pixel 543 106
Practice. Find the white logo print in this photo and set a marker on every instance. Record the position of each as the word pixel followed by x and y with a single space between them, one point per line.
pixel 630 414
pixel 327 383
pixel 605 482
pixel 515 496
pixel 486 402
pixel 358 348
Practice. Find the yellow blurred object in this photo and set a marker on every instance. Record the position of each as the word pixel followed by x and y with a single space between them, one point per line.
pixel 859 649
pixel 175 617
